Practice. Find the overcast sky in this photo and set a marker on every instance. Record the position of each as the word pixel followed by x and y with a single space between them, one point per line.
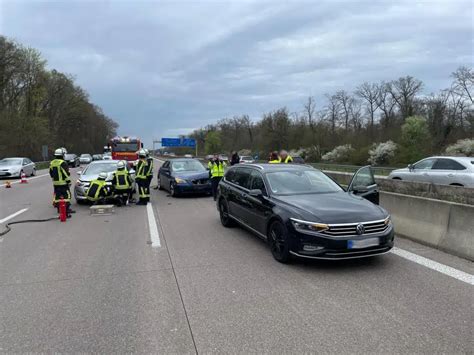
pixel 164 68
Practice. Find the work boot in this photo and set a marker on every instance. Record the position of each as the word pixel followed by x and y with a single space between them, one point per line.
pixel 71 211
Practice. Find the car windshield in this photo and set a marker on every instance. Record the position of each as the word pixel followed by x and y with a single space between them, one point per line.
pixel 11 161
pixel 187 165
pixel 125 147
pixel 300 182
pixel 95 169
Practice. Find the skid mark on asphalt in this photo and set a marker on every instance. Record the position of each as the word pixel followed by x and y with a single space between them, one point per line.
pixel 153 228
pixel 433 265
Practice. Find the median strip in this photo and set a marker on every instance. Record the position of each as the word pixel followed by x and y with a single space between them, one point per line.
pixel 433 265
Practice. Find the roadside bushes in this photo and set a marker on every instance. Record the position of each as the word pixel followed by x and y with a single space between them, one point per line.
pixel 382 153
pixel 461 147
pixel 340 154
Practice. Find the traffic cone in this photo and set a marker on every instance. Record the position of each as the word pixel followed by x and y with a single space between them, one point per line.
pixel 23 179
pixel 8 185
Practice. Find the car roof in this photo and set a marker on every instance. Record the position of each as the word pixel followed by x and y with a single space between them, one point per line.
pixel 266 167
pixel 109 161
pixel 182 159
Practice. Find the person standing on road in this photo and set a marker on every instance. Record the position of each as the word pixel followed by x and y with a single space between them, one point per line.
pixel 274 159
pixel 122 184
pixel 149 169
pixel 235 159
pixel 216 171
pixel 59 172
pixel 285 157
pixel 141 179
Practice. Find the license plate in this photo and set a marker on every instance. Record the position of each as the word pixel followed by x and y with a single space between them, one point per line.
pixel 362 243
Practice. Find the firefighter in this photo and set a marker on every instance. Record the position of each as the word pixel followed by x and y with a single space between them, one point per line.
pixel 216 171
pixel 274 158
pixel 59 172
pixel 122 184
pixel 141 179
pixel 98 191
pixel 285 157
pixel 149 170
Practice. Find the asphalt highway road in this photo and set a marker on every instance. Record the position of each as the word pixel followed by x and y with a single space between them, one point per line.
pixel 96 284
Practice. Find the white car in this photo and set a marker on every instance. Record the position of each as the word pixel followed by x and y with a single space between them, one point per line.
pixel 456 171
pixel 85 158
pixel 247 159
pixel 14 167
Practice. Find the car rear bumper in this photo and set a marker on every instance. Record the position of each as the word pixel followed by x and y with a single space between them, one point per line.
pixel 333 249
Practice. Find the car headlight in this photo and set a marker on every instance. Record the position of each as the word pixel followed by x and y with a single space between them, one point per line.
pixel 308 227
pixel 179 180
pixel 388 221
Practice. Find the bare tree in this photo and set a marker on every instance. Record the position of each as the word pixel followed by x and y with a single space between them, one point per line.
pixel 310 114
pixel 345 101
pixel 403 91
pixel 464 82
pixel 370 93
pixel 332 111
pixel 386 103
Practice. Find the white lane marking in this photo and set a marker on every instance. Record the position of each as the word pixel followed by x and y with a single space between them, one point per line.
pixel 431 264
pixel 29 178
pixel 154 235
pixel 13 215
pixel 161 161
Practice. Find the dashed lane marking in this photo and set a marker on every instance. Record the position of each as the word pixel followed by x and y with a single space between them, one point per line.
pixel 153 228
pixel 13 215
pixel 30 178
pixel 433 265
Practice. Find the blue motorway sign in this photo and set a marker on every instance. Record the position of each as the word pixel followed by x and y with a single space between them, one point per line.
pixel 178 142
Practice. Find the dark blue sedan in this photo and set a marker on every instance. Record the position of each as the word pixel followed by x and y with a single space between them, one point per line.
pixel 184 176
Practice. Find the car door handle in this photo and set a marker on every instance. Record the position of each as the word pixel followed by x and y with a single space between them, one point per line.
pixel 450 175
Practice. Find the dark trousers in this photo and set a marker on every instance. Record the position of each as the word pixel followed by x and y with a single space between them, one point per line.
pixel 122 196
pixel 215 183
pixel 143 190
pixel 62 191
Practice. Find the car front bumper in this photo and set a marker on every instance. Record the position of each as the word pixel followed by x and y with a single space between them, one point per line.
pixel 339 248
pixel 193 189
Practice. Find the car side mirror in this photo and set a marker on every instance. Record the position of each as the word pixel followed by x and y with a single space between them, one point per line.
pixel 79 173
pixel 360 189
pixel 256 193
pixel 410 167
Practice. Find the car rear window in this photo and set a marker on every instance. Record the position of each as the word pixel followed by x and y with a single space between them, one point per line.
pixel 447 164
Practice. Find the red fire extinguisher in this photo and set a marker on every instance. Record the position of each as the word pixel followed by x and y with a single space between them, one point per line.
pixel 62 210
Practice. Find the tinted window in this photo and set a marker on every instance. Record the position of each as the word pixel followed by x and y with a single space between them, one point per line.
pixel 448 164
pixel 424 164
pixel 363 178
pixel 257 182
pixel 166 164
pixel 242 178
pixel 230 175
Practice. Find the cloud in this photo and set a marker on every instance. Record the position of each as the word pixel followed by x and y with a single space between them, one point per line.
pixel 161 67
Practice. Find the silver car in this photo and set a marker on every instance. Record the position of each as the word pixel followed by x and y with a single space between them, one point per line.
pixel 14 167
pixel 85 158
pixel 456 171
pixel 91 172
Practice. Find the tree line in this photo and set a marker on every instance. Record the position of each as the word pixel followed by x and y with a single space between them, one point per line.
pixel 372 113
pixel 45 107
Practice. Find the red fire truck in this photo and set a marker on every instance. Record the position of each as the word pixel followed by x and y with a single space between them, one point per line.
pixel 125 148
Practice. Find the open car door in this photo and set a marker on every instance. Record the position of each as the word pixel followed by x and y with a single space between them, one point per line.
pixel 363 184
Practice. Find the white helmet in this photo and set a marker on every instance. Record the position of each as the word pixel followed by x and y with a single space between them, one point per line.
pixel 142 153
pixel 121 164
pixel 59 152
pixel 103 176
pixel 146 152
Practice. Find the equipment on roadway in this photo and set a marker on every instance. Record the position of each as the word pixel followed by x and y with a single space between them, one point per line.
pixel 23 179
pixel 302 212
pixel 8 185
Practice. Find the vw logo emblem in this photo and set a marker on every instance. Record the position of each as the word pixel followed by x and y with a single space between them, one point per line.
pixel 360 229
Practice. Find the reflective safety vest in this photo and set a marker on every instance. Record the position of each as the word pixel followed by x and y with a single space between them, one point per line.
pixel 122 180
pixel 58 172
pixel 149 170
pixel 217 169
pixel 96 190
pixel 141 170
pixel 288 159
pixel 274 162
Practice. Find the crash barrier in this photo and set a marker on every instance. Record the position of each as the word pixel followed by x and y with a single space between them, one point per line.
pixel 450 193
pixel 444 225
